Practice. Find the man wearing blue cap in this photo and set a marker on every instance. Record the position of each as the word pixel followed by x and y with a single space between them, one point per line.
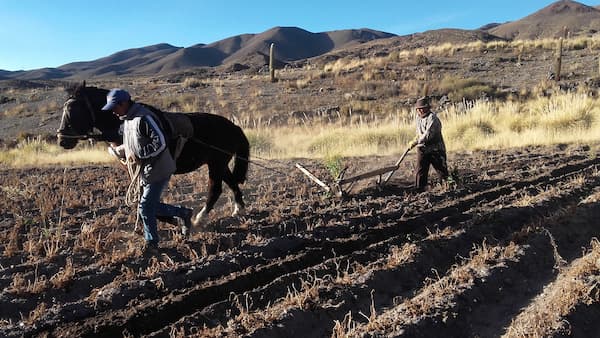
pixel 144 143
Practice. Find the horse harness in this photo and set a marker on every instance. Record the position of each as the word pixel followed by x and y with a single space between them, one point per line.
pixel 177 126
pixel 89 135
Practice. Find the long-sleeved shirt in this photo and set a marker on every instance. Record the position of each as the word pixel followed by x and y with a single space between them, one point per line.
pixel 144 140
pixel 429 133
pixel 142 136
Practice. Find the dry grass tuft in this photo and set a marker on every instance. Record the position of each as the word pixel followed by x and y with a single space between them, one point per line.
pixel 38 152
pixel 22 286
pixel 64 276
pixel 399 256
pixel 341 329
pixel 36 314
pixel 248 320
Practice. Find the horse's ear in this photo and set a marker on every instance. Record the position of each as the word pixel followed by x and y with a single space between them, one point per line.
pixel 83 84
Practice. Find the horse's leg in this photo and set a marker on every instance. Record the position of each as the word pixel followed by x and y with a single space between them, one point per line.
pixel 239 205
pixel 215 187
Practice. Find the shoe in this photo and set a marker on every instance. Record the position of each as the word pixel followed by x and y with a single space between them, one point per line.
pixel 151 249
pixel 186 219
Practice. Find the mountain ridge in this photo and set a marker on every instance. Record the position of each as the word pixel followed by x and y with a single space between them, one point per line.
pixel 294 44
pixel 551 21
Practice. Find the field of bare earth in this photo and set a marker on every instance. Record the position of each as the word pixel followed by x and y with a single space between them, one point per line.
pixel 511 249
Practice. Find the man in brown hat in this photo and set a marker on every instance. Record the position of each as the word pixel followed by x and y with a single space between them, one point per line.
pixel 431 149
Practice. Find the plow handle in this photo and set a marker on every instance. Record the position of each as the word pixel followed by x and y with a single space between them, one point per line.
pixel 388 176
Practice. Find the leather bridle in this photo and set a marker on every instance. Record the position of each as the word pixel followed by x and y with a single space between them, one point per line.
pixel 87 136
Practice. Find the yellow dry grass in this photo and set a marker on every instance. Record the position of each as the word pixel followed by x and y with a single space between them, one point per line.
pixel 37 152
pixel 565 118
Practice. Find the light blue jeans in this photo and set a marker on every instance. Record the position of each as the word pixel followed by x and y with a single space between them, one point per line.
pixel 150 207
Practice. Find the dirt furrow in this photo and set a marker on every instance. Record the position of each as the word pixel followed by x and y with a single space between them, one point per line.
pixel 289 238
pixel 511 219
pixel 565 170
pixel 502 224
pixel 572 300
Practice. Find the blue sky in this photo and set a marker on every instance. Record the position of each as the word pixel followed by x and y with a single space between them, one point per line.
pixel 37 34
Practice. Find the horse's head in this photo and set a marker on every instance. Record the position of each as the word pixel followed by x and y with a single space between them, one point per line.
pixel 82 112
pixel 76 124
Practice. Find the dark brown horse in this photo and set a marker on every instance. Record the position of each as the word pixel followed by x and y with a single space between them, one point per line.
pixel 214 142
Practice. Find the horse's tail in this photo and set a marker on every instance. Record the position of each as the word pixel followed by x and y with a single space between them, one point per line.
pixel 242 158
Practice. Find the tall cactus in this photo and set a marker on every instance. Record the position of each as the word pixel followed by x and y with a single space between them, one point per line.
pixel 272 62
pixel 558 64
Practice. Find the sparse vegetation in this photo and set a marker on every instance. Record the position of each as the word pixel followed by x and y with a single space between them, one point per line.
pixel 576 285
pixel 370 241
pixel 334 165
pixel 471 124
pixel 191 82
pixel 495 250
pixel 38 152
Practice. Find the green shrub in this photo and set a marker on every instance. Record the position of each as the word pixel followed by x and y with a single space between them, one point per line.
pixel 334 165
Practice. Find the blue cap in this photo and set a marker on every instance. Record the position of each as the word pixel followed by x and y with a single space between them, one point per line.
pixel 114 97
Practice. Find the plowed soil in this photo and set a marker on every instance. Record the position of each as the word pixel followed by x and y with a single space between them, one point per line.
pixel 458 260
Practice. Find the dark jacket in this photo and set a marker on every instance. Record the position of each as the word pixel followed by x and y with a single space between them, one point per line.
pixel 144 139
pixel 429 133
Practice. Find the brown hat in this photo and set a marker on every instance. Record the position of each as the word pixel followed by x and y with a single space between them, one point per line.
pixel 423 102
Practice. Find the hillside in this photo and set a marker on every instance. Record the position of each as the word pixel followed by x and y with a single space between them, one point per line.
pixel 292 44
pixel 339 71
pixel 506 246
pixel 550 22
pixel 250 51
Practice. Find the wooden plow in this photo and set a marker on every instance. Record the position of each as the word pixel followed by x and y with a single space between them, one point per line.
pixel 342 184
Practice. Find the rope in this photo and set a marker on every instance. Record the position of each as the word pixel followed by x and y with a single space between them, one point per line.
pixel 133 169
pixel 133 191
pixel 81 136
pixel 243 158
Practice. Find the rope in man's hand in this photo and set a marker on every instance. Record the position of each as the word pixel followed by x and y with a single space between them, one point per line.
pixel 134 169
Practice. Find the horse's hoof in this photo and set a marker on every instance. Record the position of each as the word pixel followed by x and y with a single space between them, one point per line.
pixel 185 231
